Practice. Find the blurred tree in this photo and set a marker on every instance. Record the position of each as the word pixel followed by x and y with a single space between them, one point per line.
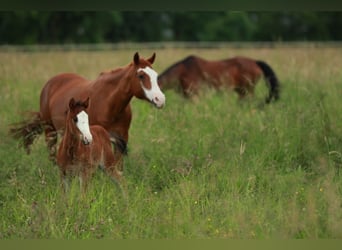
pixel 188 26
pixel 142 26
pixel 29 27
pixel 301 26
pixel 228 26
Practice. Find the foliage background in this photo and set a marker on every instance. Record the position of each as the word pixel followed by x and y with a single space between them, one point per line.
pixel 43 27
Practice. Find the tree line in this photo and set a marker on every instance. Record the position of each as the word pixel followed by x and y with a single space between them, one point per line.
pixel 42 27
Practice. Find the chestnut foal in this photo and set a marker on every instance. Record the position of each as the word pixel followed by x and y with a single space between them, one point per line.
pixel 84 148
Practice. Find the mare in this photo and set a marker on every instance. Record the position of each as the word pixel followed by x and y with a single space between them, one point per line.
pixel 83 148
pixel 110 94
pixel 238 73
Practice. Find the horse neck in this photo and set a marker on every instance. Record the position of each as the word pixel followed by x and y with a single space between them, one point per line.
pixel 167 78
pixel 112 88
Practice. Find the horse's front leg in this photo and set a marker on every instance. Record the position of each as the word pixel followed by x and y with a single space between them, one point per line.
pixel 119 137
pixel 86 170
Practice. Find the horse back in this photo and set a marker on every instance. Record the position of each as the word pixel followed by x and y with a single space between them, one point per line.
pixel 55 96
pixel 245 64
pixel 185 68
pixel 242 70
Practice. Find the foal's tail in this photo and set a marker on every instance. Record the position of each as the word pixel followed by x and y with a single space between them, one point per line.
pixel 271 80
pixel 118 142
pixel 27 131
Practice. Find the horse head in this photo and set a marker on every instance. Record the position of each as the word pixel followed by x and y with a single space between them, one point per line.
pixel 145 84
pixel 79 118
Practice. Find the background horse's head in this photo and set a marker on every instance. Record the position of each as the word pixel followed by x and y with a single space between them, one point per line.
pixel 77 122
pixel 145 84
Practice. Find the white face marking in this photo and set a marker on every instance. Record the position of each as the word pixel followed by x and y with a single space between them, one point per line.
pixel 83 125
pixel 154 94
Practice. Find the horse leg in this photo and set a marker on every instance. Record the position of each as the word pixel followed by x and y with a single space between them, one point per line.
pixel 250 90
pixel 119 161
pixel 83 184
pixel 114 169
pixel 84 177
pixel 51 142
pixel 241 92
pixel 119 148
pixel 117 176
pixel 119 138
pixel 64 181
pixel 189 87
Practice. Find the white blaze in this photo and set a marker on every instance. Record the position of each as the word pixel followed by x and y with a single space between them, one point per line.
pixel 83 125
pixel 154 94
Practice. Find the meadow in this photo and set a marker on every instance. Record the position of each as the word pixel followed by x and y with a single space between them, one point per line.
pixel 210 168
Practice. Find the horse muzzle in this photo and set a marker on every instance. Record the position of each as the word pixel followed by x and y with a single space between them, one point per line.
pixel 158 101
pixel 87 140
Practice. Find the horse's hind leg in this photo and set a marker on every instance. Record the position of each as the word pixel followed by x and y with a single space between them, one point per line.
pixel 64 181
pixel 51 142
pixel 116 175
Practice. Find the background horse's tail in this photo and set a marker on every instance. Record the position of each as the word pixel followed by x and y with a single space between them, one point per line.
pixel 118 142
pixel 27 131
pixel 271 80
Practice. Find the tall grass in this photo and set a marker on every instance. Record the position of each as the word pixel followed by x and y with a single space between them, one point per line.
pixel 212 167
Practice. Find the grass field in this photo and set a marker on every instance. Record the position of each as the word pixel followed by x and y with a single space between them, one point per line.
pixel 203 169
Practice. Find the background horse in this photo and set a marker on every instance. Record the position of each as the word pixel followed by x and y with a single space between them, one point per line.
pixel 83 148
pixel 110 108
pixel 239 73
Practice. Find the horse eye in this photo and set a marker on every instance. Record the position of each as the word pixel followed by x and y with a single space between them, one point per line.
pixel 141 77
pixel 75 119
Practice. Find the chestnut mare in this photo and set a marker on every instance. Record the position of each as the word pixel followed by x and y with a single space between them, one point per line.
pixel 83 148
pixel 238 73
pixel 110 108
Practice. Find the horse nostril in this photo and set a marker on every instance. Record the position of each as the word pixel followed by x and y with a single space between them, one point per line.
pixel 156 99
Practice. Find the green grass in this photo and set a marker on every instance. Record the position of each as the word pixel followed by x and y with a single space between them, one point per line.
pixel 208 168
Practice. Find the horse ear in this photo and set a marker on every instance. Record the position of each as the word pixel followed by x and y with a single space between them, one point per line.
pixel 151 59
pixel 86 103
pixel 72 103
pixel 136 58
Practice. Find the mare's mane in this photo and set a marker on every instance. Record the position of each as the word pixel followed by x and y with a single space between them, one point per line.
pixel 113 73
pixel 188 62
pixel 110 72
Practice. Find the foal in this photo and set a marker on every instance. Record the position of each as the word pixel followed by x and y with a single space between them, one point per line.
pixel 83 148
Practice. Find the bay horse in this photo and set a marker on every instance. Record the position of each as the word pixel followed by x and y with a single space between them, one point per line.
pixel 238 73
pixel 110 94
pixel 83 148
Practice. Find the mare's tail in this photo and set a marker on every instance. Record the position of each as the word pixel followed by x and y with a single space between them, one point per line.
pixel 271 79
pixel 118 142
pixel 27 131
